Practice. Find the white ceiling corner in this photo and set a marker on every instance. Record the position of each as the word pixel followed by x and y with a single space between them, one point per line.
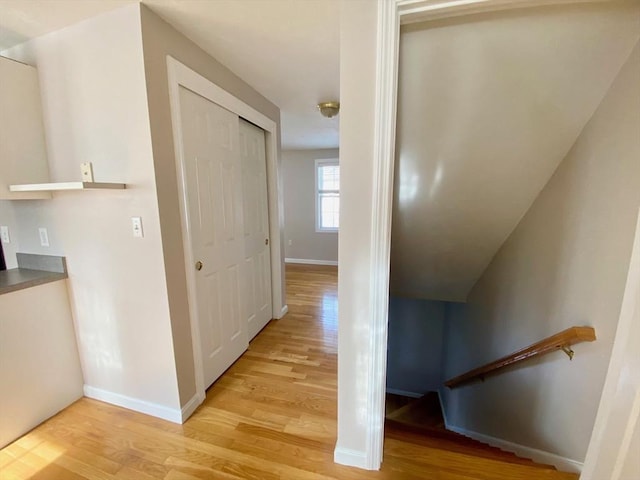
pixel 288 50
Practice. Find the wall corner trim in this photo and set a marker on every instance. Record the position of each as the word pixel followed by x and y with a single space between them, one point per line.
pixel 447 425
pixel 191 406
pixel 351 458
pixel 283 312
pixel 142 406
pixel 563 464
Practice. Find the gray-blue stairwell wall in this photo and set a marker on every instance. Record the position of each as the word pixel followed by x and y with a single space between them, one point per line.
pixel 415 345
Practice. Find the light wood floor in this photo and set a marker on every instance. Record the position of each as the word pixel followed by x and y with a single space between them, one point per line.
pixel 272 415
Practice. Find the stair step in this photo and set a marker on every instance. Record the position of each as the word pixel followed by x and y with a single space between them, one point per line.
pixel 422 411
pixel 420 421
pixel 453 442
pixel 393 402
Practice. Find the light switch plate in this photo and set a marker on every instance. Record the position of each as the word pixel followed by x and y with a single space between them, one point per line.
pixel 136 225
pixel 44 237
pixel 4 234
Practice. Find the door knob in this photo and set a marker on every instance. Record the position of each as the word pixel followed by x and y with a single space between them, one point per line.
pixel 266 241
pixel 198 265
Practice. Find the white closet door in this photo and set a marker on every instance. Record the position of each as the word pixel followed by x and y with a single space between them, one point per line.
pixel 257 251
pixel 213 184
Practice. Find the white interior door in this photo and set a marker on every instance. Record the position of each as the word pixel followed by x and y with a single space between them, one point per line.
pixel 257 251
pixel 213 190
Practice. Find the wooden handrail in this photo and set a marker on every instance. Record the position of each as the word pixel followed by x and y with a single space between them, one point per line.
pixel 559 341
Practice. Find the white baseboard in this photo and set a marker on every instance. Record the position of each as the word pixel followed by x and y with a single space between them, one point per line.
pixel 351 458
pixel 404 393
pixel 283 312
pixel 309 261
pixel 160 411
pixel 561 463
pixel 191 406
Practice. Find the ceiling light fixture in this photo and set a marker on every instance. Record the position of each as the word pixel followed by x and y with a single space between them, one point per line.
pixel 329 109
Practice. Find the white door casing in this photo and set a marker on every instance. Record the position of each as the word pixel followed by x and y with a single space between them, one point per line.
pixel 212 168
pixel 180 75
pixel 257 260
pixel 391 14
pixel 618 419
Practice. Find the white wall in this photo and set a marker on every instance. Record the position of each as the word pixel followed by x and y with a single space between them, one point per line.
pixel 298 185
pixel 92 81
pixel 565 264
pixel 358 21
pixel 415 345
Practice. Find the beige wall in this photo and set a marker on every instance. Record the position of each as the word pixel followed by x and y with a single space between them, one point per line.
pixel 357 95
pixel 159 40
pixel 565 264
pixel 95 109
pixel 486 113
pixel 631 467
pixel 298 187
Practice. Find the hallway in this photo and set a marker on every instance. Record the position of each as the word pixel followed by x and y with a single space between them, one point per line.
pixel 272 415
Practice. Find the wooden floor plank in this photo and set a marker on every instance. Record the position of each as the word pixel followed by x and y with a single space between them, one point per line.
pixel 271 416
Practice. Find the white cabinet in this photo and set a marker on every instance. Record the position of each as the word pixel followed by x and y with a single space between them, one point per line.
pixel 23 157
pixel 39 366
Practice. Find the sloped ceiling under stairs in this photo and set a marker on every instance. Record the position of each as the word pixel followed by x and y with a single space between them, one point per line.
pixel 488 107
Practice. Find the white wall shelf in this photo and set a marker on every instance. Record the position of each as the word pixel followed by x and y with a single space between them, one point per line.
pixel 50 187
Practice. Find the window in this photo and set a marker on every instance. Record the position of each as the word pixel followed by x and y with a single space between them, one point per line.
pixel 327 195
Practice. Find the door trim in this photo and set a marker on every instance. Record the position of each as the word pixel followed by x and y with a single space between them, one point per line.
pixel 619 410
pixel 181 75
pixel 391 14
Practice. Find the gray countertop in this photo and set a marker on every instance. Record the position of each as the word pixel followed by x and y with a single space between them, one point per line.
pixel 20 278
pixel 32 270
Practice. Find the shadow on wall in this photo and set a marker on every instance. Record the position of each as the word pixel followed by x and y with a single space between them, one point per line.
pixel 415 345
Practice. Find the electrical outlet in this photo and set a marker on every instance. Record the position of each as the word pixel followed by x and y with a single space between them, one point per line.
pixel 4 234
pixel 290 242
pixel 44 237
pixel 86 170
pixel 136 225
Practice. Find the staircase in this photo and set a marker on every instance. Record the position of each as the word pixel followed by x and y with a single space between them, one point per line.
pixel 420 422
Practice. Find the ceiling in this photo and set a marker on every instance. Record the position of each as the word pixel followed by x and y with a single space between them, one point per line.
pixel 288 50
pixel 488 107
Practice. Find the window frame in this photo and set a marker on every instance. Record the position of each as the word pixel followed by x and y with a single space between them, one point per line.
pixel 322 162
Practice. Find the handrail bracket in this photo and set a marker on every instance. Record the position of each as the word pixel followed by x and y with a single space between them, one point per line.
pixel 567 349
